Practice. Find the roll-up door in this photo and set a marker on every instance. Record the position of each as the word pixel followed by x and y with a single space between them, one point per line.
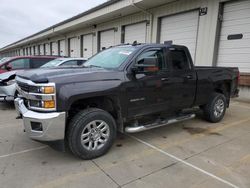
pixel 41 49
pixel 62 48
pixel 73 47
pixel 234 44
pixel 87 45
pixel 30 50
pixel 54 48
pixel 36 50
pixel 182 29
pixel 47 49
pixel 107 39
pixel 135 32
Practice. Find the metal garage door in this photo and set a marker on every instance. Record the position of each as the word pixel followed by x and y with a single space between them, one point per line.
pixel 87 45
pixel 41 49
pixel 135 32
pixel 62 48
pixel 47 49
pixel 234 44
pixel 182 29
pixel 107 39
pixel 73 47
pixel 36 50
pixel 31 51
pixel 54 48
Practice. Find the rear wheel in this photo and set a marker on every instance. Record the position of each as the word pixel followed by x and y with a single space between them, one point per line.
pixel 91 133
pixel 215 109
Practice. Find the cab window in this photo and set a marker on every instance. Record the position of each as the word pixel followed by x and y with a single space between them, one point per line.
pixel 178 60
pixel 157 54
pixel 38 62
pixel 19 64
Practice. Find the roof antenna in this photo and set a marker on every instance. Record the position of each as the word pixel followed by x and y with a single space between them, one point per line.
pixel 134 43
pixel 168 42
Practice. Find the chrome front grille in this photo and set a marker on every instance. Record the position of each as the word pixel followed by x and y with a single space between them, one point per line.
pixel 23 86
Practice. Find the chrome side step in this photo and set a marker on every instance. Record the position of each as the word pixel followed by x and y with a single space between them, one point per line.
pixel 161 123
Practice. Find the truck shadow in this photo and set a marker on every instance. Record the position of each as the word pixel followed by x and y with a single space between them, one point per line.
pixel 7 106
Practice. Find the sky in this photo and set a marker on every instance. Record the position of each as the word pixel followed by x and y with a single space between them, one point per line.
pixel 21 18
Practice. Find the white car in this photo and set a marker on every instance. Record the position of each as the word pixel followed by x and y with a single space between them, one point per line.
pixel 7 86
pixel 65 62
pixel 7 80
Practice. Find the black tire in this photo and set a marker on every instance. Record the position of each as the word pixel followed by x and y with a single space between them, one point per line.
pixel 83 121
pixel 210 109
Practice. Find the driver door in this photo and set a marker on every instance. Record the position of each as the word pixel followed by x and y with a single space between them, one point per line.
pixel 144 90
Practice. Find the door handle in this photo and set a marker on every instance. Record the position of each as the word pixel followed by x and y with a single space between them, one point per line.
pixel 189 76
pixel 164 79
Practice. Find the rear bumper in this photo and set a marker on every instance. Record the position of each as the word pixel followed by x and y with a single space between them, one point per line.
pixel 42 126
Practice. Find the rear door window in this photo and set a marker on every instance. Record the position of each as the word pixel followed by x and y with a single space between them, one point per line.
pixel 20 64
pixel 178 60
pixel 70 63
pixel 38 62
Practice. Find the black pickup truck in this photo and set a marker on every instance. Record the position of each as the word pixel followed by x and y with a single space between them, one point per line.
pixel 126 88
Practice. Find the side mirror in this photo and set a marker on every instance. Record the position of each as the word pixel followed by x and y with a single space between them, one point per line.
pixel 146 65
pixel 8 67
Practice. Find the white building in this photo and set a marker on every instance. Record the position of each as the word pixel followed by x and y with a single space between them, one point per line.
pixel 216 32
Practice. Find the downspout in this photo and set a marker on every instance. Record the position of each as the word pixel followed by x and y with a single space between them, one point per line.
pixel 148 13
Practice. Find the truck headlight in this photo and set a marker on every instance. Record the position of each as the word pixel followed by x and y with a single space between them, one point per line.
pixel 42 104
pixel 42 89
pixel 10 82
pixel 43 97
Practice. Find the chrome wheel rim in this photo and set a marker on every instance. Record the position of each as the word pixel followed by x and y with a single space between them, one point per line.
pixel 95 135
pixel 219 108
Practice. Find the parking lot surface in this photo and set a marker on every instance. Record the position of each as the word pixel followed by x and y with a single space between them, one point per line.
pixel 193 153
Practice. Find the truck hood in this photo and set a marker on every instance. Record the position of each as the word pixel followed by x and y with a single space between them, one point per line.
pixel 65 74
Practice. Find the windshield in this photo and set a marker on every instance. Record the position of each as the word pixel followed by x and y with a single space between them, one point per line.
pixel 53 63
pixel 3 60
pixel 111 58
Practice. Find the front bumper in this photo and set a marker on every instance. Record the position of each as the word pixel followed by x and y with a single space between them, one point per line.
pixel 7 92
pixel 48 126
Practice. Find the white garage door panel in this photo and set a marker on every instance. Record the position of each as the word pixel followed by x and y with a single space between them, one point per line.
pixel 181 29
pixel 231 58
pixel 236 20
pixel 47 49
pixel 73 47
pixel 240 14
pixel 36 50
pixel 236 6
pixel 41 50
pixel 135 32
pixel 186 34
pixel 234 51
pixel 54 48
pixel 62 47
pixel 236 29
pixel 87 46
pixel 107 39
pixel 231 44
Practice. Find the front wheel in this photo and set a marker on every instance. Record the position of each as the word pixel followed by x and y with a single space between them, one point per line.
pixel 91 133
pixel 215 109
